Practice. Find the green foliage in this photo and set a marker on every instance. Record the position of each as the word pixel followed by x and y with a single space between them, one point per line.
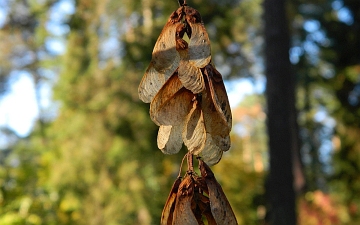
pixel 244 188
pixel 24 196
pixel 241 171
pixel 329 83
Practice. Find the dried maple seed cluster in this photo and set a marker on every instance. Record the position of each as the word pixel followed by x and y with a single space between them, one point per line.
pixel 186 93
pixel 194 197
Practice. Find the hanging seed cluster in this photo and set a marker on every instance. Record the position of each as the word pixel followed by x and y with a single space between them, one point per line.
pixel 187 96
pixel 194 198
pixel 188 102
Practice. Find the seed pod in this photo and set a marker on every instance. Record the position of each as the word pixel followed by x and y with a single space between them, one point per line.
pixel 204 205
pixel 183 215
pixel 168 211
pixel 171 104
pixel 199 45
pixel 165 59
pixel 189 71
pixel 194 133
pixel 216 95
pixel 169 139
pixel 219 205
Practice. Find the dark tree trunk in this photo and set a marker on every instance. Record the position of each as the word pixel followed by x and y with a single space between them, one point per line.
pixel 281 116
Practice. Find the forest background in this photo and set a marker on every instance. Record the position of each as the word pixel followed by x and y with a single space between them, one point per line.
pixel 91 156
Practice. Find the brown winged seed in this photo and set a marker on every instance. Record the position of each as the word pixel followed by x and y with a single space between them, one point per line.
pixel 187 95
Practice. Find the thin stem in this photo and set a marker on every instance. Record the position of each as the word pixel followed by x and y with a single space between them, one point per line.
pixel 182 2
pixel 182 162
pixel 190 162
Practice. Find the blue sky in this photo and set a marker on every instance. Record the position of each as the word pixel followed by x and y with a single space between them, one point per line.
pixel 18 108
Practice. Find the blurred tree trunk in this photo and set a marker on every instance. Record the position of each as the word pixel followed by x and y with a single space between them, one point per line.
pixel 281 116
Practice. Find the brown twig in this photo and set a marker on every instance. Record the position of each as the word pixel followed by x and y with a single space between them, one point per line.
pixel 182 162
pixel 190 162
pixel 182 2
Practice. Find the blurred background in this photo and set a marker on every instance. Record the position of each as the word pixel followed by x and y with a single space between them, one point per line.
pixel 77 146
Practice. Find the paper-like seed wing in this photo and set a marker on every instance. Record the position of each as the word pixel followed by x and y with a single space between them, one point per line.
pixel 189 75
pixel 223 143
pixel 215 121
pixel 168 90
pixel 204 205
pixel 169 139
pixel 171 104
pixel 197 212
pixel 212 153
pixel 194 134
pixel 168 211
pixel 165 60
pixel 183 215
pixel 218 94
pixel 215 124
pixel 150 84
pixel 174 110
pixel 164 53
pixel 220 206
pixel 199 45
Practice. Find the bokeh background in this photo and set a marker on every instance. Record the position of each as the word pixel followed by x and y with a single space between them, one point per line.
pixel 77 146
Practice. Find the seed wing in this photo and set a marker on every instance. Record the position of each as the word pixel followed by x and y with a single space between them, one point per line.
pixel 218 95
pixel 194 134
pixel 199 45
pixel 150 84
pixel 171 104
pixel 191 77
pixel 169 139
pixel 220 206
pixel 164 62
pixel 212 153
pixel 189 74
pixel 168 211
pixel 183 214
